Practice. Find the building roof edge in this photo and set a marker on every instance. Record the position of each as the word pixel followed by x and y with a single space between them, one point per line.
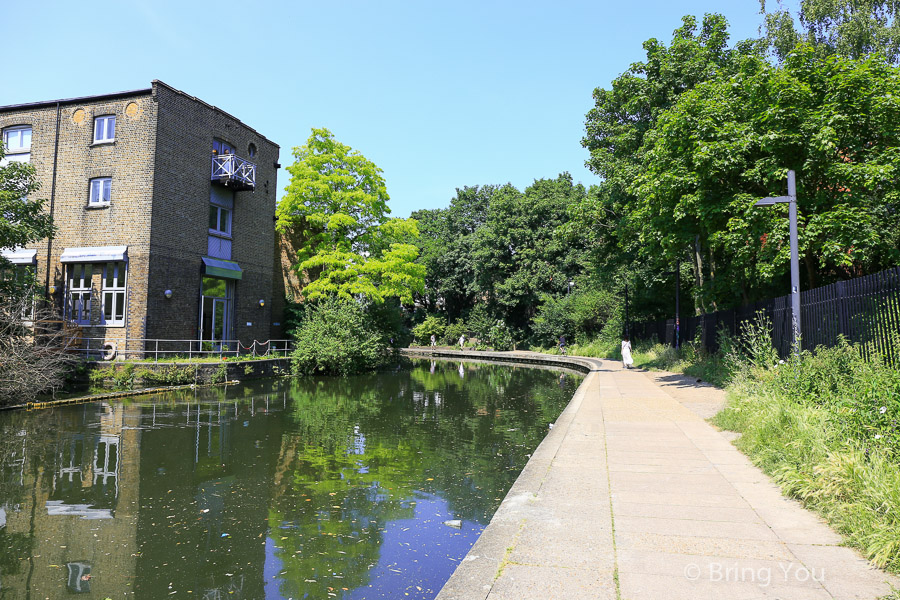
pixel 157 82
pixel 80 99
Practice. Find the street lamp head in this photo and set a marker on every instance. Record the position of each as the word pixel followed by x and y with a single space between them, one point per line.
pixel 771 201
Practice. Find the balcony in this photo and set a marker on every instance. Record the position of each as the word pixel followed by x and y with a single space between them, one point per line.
pixel 233 172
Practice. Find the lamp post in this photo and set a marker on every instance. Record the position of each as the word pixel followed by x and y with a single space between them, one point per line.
pixel 791 200
pixel 569 290
pixel 677 274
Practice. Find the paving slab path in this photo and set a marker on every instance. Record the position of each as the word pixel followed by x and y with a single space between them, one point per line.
pixel 633 495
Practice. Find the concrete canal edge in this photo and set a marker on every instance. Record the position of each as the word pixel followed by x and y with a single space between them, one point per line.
pixel 206 374
pixel 475 575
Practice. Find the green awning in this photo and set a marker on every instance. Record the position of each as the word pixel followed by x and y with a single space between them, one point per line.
pixel 216 267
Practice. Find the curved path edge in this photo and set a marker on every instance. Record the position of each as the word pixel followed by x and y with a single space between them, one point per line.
pixel 633 495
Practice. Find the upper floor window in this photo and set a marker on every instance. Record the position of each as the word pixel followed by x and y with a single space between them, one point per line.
pixel 219 220
pixel 17 143
pixel 101 189
pixel 105 128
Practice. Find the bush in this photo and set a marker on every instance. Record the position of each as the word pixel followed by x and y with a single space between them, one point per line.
pixel 499 337
pixel 453 332
pixel 580 316
pixel 432 325
pixel 336 336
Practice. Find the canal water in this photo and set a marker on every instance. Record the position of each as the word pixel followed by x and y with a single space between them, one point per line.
pixel 364 487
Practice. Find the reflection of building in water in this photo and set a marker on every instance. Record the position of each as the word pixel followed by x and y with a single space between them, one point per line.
pixel 78 511
pixel 210 484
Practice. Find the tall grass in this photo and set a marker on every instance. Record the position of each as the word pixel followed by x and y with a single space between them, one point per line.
pixel 824 426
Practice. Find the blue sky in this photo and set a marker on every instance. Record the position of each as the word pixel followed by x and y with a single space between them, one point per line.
pixel 439 95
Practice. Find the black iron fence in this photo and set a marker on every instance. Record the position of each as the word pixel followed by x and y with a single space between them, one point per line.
pixel 865 311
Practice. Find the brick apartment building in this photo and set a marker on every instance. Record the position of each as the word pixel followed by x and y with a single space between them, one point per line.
pixel 165 210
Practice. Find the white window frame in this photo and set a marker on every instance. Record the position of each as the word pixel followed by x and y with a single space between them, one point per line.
pixel 113 293
pixel 20 152
pixel 102 126
pixel 100 191
pixel 220 210
pixel 78 292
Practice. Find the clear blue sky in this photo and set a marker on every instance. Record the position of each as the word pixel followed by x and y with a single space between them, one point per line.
pixel 439 95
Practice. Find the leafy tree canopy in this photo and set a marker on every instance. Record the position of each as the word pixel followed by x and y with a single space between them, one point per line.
pixel 336 204
pixel 729 142
pixel 851 28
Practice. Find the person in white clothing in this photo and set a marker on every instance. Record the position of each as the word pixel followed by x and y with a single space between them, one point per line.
pixel 627 360
pixel 433 340
pixel 462 342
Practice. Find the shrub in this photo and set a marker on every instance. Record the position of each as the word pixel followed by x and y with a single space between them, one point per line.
pixel 220 375
pixel 499 337
pixel 336 336
pixel 432 325
pixel 454 331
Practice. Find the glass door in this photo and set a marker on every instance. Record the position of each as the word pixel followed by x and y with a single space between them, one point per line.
pixel 215 312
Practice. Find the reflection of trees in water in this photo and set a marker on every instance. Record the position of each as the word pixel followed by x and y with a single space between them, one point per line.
pixel 359 449
pixel 220 470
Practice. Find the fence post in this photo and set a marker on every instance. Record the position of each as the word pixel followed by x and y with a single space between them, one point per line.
pixel 843 321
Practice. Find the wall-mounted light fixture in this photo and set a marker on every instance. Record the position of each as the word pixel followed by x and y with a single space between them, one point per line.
pixel 52 289
pixel 262 302
pixel 168 293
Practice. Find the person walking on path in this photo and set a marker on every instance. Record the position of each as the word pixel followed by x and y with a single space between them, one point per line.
pixel 462 342
pixel 433 341
pixel 627 360
pixel 562 345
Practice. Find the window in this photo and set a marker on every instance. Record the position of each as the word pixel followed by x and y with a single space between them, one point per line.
pixel 251 150
pixel 105 129
pixel 219 220
pixel 113 310
pixel 17 143
pixel 78 297
pixel 100 191
pixel 220 147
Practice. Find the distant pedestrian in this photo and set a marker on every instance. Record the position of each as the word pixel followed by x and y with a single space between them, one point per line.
pixel 462 341
pixel 562 344
pixel 627 360
pixel 433 341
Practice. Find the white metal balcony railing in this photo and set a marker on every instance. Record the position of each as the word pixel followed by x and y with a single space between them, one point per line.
pixel 233 171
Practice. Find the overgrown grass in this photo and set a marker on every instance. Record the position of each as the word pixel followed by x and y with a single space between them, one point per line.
pixel 825 427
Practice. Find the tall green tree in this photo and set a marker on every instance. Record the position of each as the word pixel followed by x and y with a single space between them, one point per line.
pixel 851 28
pixel 447 250
pixel 615 131
pixel 336 207
pixel 729 142
pixel 519 257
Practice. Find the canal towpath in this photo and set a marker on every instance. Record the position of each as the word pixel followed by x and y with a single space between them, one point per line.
pixel 633 495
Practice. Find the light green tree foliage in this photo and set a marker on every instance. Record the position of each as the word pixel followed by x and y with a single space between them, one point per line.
pixel 22 218
pixel 852 28
pixel 336 202
pixel 433 325
pixel 729 142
